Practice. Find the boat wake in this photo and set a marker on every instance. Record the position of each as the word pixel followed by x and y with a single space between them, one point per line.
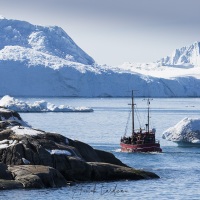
pixel 117 150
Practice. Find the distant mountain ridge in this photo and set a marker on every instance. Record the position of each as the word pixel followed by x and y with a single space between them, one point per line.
pixel 45 61
pixel 185 55
pixel 50 40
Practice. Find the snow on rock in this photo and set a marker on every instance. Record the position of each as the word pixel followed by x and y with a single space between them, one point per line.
pixel 60 152
pixel 7 143
pixel 21 130
pixel 185 131
pixel 25 161
pixel 38 106
pixel 11 117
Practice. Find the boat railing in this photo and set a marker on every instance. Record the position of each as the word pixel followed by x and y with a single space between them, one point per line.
pixel 157 141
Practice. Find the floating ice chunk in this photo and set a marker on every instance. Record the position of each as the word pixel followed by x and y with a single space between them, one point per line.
pixel 2 17
pixel 13 104
pixel 185 131
pixel 196 141
pixel 38 106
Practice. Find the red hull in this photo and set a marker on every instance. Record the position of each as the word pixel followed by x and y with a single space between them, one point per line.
pixel 155 147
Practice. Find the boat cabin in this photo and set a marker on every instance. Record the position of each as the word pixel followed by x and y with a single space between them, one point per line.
pixel 139 138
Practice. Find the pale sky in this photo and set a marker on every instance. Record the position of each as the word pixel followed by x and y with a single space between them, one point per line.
pixel 116 31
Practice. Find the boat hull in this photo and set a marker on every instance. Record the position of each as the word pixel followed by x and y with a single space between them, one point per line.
pixel 155 147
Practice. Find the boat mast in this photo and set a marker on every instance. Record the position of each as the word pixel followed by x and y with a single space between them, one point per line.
pixel 133 124
pixel 148 103
pixel 132 105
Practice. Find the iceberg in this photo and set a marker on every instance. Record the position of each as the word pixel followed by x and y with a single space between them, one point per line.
pixel 185 132
pixel 38 106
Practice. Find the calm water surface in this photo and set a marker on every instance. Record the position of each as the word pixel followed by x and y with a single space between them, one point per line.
pixel 177 167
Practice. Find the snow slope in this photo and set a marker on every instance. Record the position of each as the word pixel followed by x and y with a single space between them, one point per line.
pixel 162 71
pixel 44 61
pixel 50 40
pixel 181 63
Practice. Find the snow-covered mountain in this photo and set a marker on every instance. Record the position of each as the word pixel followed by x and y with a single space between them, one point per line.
pixel 44 61
pixel 48 40
pixel 186 55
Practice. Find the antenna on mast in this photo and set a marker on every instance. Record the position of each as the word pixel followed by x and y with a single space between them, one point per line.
pixel 148 108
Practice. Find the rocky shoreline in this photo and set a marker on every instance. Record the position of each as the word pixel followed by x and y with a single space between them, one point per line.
pixel 31 158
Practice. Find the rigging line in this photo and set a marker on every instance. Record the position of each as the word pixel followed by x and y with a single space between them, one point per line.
pixel 150 118
pixel 127 123
pixel 150 121
pixel 143 118
pixel 143 114
pixel 138 116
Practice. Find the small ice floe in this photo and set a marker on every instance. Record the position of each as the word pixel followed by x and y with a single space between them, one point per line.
pixel 25 161
pixel 185 132
pixel 2 17
pixel 59 152
pixel 38 106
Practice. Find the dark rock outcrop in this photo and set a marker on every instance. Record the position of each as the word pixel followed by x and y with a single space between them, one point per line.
pixel 37 176
pixel 6 179
pixel 105 171
pixel 10 184
pixel 107 157
pixel 6 114
pixel 30 176
pixel 32 158
pixel 4 173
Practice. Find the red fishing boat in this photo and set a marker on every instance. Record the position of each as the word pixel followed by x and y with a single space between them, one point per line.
pixel 141 140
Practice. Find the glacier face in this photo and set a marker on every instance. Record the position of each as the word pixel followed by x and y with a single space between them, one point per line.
pixel 44 61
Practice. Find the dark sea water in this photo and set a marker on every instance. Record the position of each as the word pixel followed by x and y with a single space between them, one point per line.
pixel 178 167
